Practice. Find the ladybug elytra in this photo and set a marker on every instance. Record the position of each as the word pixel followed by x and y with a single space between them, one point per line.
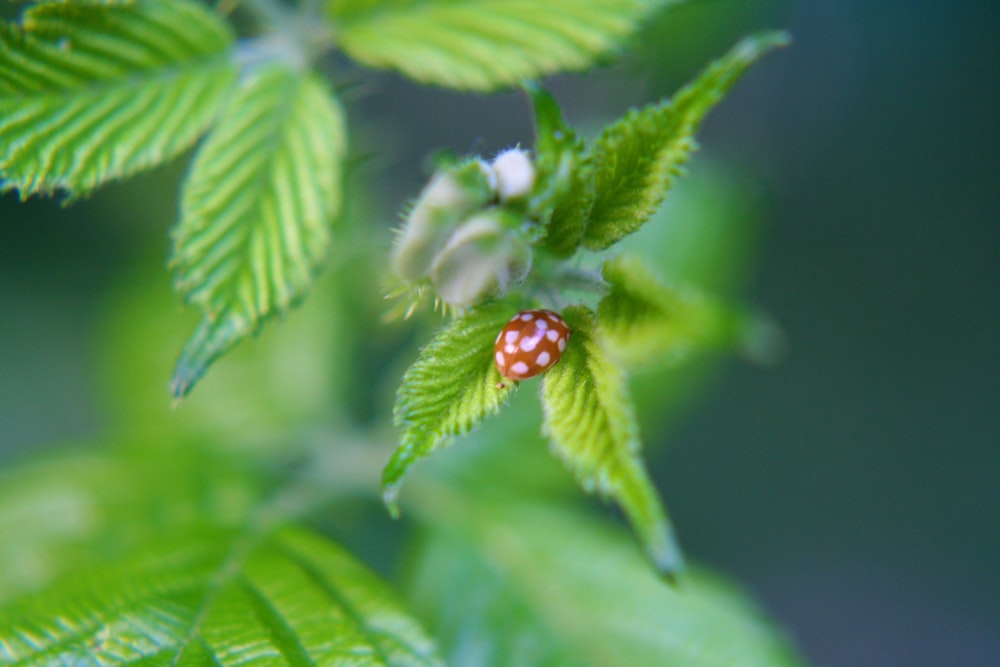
pixel 530 344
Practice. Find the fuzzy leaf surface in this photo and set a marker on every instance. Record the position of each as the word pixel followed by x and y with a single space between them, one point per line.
pixel 485 45
pixel 91 92
pixel 257 210
pixel 449 390
pixel 642 321
pixel 590 421
pixel 513 582
pixel 637 159
pixel 565 171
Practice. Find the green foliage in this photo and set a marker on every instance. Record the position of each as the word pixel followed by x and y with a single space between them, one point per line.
pixel 642 321
pixel 180 557
pixel 218 597
pixel 90 92
pixel 256 210
pixel 451 388
pixel 505 582
pixel 636 160
pixel 591 199
pixel 565 173
pixel 186 545
pixel 592 426
pixel 484 45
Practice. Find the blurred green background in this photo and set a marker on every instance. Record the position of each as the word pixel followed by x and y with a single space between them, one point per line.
pixel 855 486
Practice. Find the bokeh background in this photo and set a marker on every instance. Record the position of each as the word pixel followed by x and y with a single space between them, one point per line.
pixel 855 486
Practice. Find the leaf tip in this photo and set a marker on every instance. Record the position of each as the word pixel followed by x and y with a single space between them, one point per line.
pixel 186 373
pixel 390 497
pixel 665 553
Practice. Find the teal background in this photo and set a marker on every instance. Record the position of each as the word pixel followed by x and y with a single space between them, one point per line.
pixel 855 487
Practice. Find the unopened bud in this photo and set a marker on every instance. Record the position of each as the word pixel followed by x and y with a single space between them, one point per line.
pixel 450 197
pixel 515 174
pixel 480 257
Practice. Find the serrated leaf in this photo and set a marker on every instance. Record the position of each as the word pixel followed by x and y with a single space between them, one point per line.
pixel 484 45
pixel 565 172
pixel 450 389
pixel 504 582
pixel 636 159
pixel 591 424
pixel 218 597
pixel 643 322
pixel 257 210
pixel 91 92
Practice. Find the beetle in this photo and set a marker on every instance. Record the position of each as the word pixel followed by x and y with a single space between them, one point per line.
pixel 530 344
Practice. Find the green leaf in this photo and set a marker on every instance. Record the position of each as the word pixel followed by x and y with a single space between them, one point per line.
pixel 505 582
pixel 642 321
pixel 450 389
pixel 565 172
pixel 592 426
pixel 91 92
pixel 484 45
pixel 77 507
pixel 256 211
pixel 217 597
pixel 636 159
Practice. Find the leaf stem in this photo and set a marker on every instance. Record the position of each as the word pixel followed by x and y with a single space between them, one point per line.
pixel 298 36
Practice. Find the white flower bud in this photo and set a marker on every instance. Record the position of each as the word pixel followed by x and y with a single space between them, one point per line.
pixel 515 174
pixel 445 201
pixel 481 256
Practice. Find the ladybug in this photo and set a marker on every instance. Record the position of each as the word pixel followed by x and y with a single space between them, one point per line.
pixel 530 344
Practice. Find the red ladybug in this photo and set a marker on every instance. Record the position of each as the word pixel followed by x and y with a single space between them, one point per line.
pixel 530 344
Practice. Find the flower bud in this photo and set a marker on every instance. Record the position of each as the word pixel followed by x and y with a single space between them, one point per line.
pixel 515 174
pixel 450 197
pixel 481 256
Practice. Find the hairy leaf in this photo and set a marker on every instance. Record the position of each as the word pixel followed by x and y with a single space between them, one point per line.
pixel 485 44
pixel 642 321
pixel 505 582
pixel 91 92
pixel 256 211
pixel 452 387
pixel 592 426
pixel 217 597
pixel 568 189
pixel 636 159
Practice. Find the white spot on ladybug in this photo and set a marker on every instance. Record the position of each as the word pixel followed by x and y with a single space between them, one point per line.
pixel 530 344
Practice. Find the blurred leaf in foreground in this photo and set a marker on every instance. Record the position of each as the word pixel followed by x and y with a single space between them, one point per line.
pixel 218 597
pixel 512 583
pixel 185 559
